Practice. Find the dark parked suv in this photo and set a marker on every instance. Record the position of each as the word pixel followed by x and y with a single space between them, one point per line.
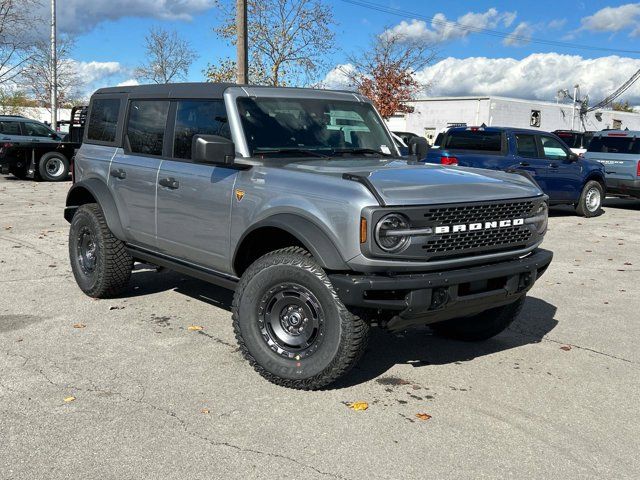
pixel 319 229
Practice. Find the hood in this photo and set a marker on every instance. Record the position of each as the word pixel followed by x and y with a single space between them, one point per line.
pixel 399 182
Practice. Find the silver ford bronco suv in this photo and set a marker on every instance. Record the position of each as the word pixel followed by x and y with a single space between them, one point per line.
pixel 299 201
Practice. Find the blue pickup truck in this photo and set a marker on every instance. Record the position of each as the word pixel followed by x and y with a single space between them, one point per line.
pixel 564 176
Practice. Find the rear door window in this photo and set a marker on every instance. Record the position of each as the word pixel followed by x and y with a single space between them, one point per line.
pixel 198 117
pixel 553 149
pixel 146 126
pixel 103 120
pixel 623 145
pixel 474 140
pixel 527 146
pixel 33 129
pixel 10 128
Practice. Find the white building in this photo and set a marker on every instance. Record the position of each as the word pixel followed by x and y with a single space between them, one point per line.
pixel 431 115
pixel 35 113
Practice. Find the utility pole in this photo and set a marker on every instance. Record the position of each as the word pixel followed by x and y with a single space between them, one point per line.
pixel 242 44
pixel 575 99
pixel 54 69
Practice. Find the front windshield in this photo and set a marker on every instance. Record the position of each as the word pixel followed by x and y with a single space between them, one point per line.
pixel 316 127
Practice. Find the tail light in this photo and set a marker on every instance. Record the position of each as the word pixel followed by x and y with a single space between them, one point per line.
pixel 638 169
pixel 448 160
pixel 4 147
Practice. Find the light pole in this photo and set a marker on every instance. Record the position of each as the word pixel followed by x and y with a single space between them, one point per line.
pixel 242 44
pixel 575 99
pixel 54 69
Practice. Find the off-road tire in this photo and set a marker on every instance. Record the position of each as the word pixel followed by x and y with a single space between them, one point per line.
pixel 345 335
pixel 583 207
pixel 482 326
pixel 56 161
pixel 113 264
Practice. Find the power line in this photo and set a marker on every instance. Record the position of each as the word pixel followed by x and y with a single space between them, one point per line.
pixel 611 98
pixel 485 31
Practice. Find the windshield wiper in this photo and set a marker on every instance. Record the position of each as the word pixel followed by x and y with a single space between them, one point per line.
pixel 361 151
pixel 298 151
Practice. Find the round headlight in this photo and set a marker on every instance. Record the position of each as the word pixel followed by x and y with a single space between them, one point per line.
pixel 386 236
pixel 543 213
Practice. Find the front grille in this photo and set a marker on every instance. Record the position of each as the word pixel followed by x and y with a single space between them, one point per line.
pixel 464 243
pixel 478 242
pixel 479 213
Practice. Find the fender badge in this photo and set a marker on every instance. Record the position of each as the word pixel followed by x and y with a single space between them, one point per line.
pixel 239 194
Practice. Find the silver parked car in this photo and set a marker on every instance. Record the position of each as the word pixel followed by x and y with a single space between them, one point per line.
pixel 15 128
pixel 619 152
pixel 299 201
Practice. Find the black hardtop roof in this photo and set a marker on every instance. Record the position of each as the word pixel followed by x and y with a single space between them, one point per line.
pixel 192 90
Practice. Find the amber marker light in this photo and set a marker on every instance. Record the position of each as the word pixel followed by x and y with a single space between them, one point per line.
pixel 363 230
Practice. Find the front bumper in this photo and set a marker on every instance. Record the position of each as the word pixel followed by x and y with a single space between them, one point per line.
pixel 424 298
pixel 624 187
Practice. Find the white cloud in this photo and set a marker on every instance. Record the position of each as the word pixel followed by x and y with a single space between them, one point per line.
pixel 80 16
pixel 538 76
pixel 128 83
pixel 337 78
pixel 520 36
pixel 557 24
pixel 441 29
pixel 92 72
pixel 614 19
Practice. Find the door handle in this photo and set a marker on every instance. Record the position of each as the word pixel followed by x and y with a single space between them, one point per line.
pixel 524 164
pixel 119 173
pixel 169 182
pixel 553 165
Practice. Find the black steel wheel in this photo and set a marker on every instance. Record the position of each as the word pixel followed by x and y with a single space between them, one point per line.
pixel 290 324
pixel 100 262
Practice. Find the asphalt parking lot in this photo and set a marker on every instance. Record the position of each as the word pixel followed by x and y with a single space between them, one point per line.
pixel 125 389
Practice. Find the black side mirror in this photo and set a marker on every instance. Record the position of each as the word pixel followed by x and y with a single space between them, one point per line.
pixel 574 157
pixel 419 147
pixel 213 149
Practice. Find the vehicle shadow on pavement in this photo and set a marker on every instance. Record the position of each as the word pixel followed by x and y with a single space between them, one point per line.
pixel 622 203
pixel 419 348
pixel 145 280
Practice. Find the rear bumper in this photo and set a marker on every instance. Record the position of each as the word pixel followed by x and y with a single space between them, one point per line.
pixel 629 187
pixel 424 298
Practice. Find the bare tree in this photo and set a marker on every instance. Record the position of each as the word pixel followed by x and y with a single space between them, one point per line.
pixel 385 72
pixel 36 74
pixel 288 40
pixel 15 36
pixel 168 57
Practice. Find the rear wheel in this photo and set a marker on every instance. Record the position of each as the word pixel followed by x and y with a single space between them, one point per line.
pixel 590 203
pixel 53 167
pixel 290 324
pixel 481 326
pixel 99 261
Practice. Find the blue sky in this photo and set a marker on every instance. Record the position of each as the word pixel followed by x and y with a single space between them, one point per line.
pixel 607 24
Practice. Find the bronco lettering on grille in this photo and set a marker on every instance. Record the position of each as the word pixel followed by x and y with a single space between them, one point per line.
pixel 464 227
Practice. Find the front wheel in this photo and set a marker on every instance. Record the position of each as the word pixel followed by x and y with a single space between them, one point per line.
pixel 482 326
pixel 290 324
pixel 53 167
pixel 590 203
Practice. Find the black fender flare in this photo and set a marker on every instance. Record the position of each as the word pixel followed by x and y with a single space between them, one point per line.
pixel 597 177
pixel 308 234
pixel 81 193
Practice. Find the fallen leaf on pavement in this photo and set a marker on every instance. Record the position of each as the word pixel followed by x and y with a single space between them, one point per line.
pixel 205 411
pixel 566 348
pixel 79 325
pixel 628 263
pixel 8 227
pixel 423 416
pixel 69 399
pixel 116 307
pixel 358 406
pixel 194 328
